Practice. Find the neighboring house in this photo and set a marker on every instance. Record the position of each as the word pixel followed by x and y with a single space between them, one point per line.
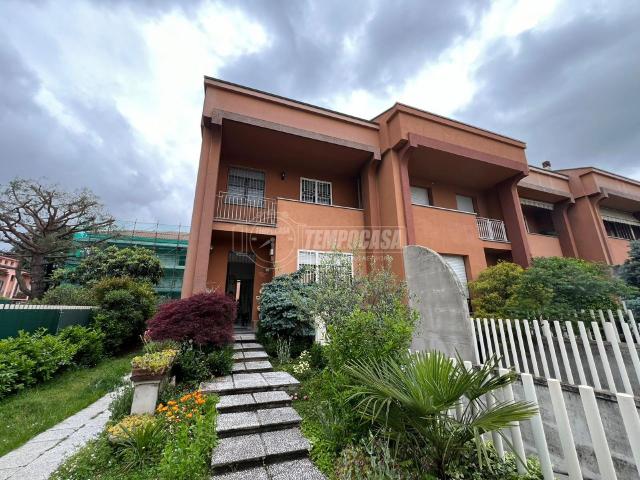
pixel 9 287
pixel 281 182
pixel 169 243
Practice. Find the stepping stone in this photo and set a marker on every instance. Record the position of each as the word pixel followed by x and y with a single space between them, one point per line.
pixel 281 417
pixel 251 346
pixel 257 473
pixel 250 402
pixel 294 470
pixel 242 423
pixel 245 337
pixel 228 424
pixel 288 443
pixel 256 355
pixel 258 367
pixel 232 451
pixel 280 379
pixel 250 383
pixel 238 356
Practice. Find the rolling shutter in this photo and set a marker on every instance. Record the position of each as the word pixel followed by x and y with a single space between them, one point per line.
pixel 456 262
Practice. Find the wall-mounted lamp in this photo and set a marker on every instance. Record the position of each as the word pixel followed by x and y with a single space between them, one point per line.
pixel 283 175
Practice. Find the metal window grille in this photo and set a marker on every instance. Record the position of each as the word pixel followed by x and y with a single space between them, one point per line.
pixel 245 184
pixel 315 191
pixel 317 266
pixel 621 230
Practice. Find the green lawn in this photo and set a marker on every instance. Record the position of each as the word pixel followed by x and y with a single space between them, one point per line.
pixel 34 410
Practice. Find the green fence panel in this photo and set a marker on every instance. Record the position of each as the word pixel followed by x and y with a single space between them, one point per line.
pixel 30 320
pixel 73 317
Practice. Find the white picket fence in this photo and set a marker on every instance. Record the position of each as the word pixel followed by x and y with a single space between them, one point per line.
pixel 513 439
pixel 574 352
pixel 19 306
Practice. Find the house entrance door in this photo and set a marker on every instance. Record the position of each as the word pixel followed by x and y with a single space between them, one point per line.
pixel 240 274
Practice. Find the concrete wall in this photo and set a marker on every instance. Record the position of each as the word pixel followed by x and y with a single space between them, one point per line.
pixel 544 245
pixel 611 419
pixel 434 291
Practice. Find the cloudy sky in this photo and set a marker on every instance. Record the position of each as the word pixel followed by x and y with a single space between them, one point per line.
pixel 107 94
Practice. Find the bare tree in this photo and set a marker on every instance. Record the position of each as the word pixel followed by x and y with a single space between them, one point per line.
pixel 39 222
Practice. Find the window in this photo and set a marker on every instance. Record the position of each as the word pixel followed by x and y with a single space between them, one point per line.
pixel 465 204
pixel 315 191
pixel 317 265
pixel 622 230
pixel 420 196
pixel 245 185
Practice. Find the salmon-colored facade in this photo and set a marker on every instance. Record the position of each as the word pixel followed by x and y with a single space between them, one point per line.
pixel 280 182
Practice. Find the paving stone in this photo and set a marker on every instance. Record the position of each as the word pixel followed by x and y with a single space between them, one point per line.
pixel 249 381
pixel 275 396
pixel 238 355
pixel 258 473
pixel 233 450
pixel 219 385
pixel 25 454
pixel 294 470
pixel 255 355
pixel 278 416
pixel 251 346
pixel 285 442
pixel 260 366
pixel 7 472
pixel 233 422
pixel 239 367
pixel 49 435
pixel 234 401
pixel 237 346
pixel 280 379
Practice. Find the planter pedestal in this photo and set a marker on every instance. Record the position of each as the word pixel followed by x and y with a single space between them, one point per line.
pixel 145 396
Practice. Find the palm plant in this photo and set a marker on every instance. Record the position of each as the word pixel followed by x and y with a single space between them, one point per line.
pixel 433 407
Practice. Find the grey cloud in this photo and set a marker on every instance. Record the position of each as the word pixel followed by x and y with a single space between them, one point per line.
pixel 35 144
pixel 307 58
pixel 570 91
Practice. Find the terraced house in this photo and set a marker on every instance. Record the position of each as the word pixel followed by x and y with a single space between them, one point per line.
pixel 281 183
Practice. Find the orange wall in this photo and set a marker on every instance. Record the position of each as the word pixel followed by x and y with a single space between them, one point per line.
pixel 453 233
pixel 619 250
pixel 544 245
pixel 297 221
pixel 344 189
pixel 487 203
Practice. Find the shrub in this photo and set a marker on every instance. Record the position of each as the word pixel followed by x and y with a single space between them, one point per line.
pixel 125 305
pixel 555 287
pixel 153 347
pixel 558 287
pixel 386 335
pixel 88 343
pixel 139 439
pixel 282 313
pixel 31 358
pixel 630 270
pixel 67 294
pixel 120 406
pixel 138 263
pixel 317 356
pixel 204 319
pixel 194 364
pixel 494 288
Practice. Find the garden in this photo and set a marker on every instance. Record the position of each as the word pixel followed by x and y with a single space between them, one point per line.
pixel 371 408
pixel 186 342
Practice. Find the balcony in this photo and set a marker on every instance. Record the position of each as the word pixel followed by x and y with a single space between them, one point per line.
pixel 251 210
pixel 491 229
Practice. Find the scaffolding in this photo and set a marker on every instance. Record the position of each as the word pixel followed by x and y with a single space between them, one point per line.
pixel 169 242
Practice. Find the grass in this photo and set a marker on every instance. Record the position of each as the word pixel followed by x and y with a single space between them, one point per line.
pixel 34 410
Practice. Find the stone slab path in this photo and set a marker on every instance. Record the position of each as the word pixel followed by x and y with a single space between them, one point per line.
pixel 259 432
pixel 42 455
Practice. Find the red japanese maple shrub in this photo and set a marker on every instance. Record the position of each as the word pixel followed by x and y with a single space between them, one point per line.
pixel 206 319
